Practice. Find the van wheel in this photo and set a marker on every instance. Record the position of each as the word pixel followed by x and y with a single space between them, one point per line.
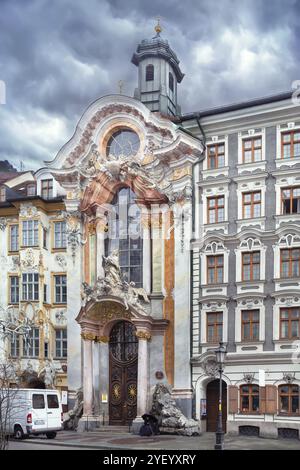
pixel 51 435
pixel 18 433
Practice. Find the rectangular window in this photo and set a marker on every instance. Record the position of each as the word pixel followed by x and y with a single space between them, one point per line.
pixel 31 348
pixel 30 286
pixel 14 237
pixel 249 396
pixel 45 239
pixel 61 343
pixel 290 201
pixel 251 205
pixel 215 209
pixel 46 349
pixel 250 325
pixel 15 346
pixel 38 401
pixel 290 144
pixel 290 262
pixel 47 189
pixel 289 323
pixel 216 156
pixel 60 287
pixel 288 399
pixel 30 231
pixel 60 240
pixel 251 266
pixel 252 150
pixel 52 401
pixel 2 194
pixel 14 289
pixel 214 327
pixel 215 269
pixel 31 190
pixel 45 293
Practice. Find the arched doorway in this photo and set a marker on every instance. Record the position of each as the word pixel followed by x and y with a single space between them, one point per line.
pixel 212 404
pixel 123 357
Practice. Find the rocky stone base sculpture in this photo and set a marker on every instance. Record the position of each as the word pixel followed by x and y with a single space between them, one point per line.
pixel 171 420
pixel 73 416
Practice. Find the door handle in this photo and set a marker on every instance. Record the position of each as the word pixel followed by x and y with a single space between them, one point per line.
pixel 49 412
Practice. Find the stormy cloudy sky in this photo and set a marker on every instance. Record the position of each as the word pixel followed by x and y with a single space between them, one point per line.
pixel 57 56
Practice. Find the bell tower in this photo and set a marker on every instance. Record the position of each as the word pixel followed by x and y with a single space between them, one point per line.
pixel 158 74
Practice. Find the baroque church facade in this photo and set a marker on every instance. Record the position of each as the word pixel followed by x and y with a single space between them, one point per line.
pixel 151 237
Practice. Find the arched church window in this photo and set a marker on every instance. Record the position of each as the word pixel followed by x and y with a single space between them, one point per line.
pixel 171 82
pixel 149 73
pixel 125 235
pixel 123 143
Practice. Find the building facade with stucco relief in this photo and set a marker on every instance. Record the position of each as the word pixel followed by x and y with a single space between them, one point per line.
pixel 151 237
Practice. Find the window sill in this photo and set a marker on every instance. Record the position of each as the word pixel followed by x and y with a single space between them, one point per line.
pixel 58 250
pixel 59 304
pixel 24 247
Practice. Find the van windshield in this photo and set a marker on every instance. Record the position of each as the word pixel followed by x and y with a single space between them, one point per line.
pixel 52 401
pixel 38 402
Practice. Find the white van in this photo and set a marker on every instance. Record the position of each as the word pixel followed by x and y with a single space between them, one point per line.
pixel 34 412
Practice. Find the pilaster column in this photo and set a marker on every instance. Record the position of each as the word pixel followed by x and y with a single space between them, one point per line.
pixel 100 234
pixel 87 373
pixel 142 382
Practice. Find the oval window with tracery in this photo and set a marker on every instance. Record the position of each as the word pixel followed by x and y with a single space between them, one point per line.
pixel 123 143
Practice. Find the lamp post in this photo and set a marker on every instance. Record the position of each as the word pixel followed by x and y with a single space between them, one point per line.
pixel 220 357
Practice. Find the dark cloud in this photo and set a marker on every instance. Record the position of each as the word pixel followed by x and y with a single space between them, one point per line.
pixel 57 56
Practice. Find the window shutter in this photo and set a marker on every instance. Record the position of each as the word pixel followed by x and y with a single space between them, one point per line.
pixel 262 400
pixel 233 392
pixel 271 399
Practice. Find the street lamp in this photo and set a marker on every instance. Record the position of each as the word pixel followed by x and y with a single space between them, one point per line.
pixel 220 357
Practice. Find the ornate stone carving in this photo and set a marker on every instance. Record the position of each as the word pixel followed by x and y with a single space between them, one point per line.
pixel 28 262
pixel 74 415
pixel 171 420
pixel 288 377
pixel 48 373
pixel 88 336
pixel 60 317
pixel 102 339
pixel 143 335
pixel 15 263
pixel 210 367
pixel 3 223
pixel 74 239
pixel 61 261
pixel 102 114
pixel 248 377
pixel 113 284
pixel 28 210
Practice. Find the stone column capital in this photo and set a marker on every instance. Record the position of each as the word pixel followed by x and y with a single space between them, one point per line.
pixel 102 339
pixel 143 334
pixel 88 336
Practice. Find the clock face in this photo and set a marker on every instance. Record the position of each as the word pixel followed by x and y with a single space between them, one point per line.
pixel 123 143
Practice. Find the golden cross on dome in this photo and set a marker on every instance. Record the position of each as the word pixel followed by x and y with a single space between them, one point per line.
pixel 120 85
pixel 158 27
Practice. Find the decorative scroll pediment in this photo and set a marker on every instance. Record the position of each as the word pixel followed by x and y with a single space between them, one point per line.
pixel 89 173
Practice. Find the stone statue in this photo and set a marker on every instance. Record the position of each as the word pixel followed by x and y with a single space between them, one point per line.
pixel 113 283
pixel 171 420
pixel 48 374
pixel 74 415
pixel 112 270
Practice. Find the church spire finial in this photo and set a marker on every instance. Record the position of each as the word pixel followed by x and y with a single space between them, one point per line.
pixel 158 27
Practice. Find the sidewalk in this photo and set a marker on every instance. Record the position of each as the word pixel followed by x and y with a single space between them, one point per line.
pixel 127 441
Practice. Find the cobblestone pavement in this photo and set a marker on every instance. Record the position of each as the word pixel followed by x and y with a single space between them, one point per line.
pixel 123 440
